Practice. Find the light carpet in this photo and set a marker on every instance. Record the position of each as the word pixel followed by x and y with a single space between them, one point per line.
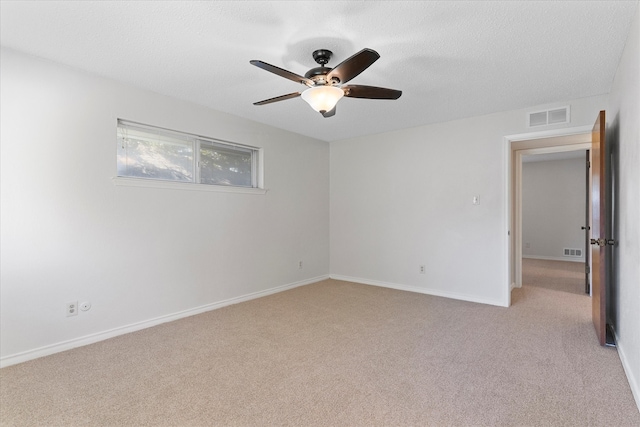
pixel 338 354
pixel 563 276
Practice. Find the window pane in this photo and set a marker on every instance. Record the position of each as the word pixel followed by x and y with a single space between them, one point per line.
pixel 225 166
pixel 147 155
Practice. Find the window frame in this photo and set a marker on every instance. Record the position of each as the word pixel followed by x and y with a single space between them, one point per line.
pixel 197 142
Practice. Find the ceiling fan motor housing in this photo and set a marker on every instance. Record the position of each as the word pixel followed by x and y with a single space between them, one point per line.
pixel 318 74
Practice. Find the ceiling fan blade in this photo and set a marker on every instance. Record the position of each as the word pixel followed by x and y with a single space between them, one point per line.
pixel 370 92
pixel 351 67
pixel 329 113
pixel 282 73
pixel 278 98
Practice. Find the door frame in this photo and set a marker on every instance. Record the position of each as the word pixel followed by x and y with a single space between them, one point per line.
pixel 567 139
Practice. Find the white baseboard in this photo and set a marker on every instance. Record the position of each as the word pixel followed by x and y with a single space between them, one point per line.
pixel 633 382
pixel 101 336
pixel 554 258
pixel 438 293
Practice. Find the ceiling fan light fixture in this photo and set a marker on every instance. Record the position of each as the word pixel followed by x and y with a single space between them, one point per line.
pixel 326 85
pixel 322 98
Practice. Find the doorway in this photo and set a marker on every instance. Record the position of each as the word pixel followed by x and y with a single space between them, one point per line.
pixel 555 220
pixel 545 142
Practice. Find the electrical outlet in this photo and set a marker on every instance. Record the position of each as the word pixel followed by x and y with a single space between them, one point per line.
pixel 85 306
pixel 299 265
pixel 72 308
pixel 423 269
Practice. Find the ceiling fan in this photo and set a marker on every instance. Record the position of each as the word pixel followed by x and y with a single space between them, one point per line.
pixel 326 85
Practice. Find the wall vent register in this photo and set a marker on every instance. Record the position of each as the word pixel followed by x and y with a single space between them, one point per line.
pixel 576 253
pixel 549 117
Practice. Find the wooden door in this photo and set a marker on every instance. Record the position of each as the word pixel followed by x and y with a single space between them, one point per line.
pixel 598 228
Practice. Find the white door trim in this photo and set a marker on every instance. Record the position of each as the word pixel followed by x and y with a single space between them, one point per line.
pixel 567 139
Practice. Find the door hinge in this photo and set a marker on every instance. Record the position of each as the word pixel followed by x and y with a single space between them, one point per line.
pixel 587 269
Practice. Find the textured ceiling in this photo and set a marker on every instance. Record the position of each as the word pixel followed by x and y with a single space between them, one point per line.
pixel 450 59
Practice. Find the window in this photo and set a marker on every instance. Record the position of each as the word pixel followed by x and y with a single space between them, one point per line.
pixel 159 154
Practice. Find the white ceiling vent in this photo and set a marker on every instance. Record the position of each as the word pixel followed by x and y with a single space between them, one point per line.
pixel 549 117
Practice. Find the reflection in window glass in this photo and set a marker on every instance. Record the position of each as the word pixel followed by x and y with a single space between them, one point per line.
pixel 222 166
pixel 146 155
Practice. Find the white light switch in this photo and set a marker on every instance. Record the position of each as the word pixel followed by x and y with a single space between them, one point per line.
pixel 476 200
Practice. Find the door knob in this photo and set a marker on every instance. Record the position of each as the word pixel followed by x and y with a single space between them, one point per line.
pixel 603 242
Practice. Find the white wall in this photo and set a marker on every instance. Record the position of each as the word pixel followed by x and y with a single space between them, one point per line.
pixel 553 208
pixel 623 133
pixel 136 254
pixel 404 199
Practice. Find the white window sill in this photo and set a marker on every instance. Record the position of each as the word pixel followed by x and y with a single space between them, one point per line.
pixel 189 186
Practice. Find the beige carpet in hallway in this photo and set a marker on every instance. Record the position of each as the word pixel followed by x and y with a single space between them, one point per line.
pixel 338 354
pixel 563 276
